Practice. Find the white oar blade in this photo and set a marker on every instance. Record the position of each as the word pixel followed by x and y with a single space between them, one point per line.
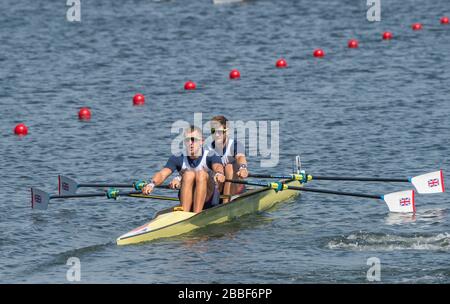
pixel 39 199
pixel 429 183
pixel 402 201
pixel 66 186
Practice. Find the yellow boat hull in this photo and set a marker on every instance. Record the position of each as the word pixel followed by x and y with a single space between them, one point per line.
pixel 169 223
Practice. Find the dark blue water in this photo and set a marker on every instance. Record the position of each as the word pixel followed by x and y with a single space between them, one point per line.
pixel 378 110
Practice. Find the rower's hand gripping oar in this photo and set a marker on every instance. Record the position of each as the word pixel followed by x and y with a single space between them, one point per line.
pixel 40 199
pixel 428 183
pixel 68 186
pixel 402 201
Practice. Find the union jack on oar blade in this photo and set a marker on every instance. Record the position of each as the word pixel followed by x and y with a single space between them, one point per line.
pixel 428 183
pixel 39 199
pixel 402 201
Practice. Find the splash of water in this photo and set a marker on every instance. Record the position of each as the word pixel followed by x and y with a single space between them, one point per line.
pixel 365 241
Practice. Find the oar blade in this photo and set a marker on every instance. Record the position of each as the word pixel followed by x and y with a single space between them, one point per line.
pixel 428 183
pixel 402 201
pixel 66 186
pixel 39 199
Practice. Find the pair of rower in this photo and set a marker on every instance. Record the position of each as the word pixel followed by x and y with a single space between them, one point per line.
pixel 203 170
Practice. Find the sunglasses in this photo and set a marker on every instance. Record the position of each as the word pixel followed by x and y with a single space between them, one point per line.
pixel 219 131
pixel 192 139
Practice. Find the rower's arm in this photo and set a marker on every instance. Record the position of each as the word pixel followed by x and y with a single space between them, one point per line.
pixel 241 160
pixel 161 176
pixel 242 165
pixel 217 168
pixel 239 149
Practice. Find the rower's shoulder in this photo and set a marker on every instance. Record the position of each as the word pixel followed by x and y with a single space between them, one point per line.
pixel 213 157
pixel 210 152
pixel 176 159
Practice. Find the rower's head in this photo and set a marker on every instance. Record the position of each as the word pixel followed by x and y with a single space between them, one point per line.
pixel 193 140
pixel 219 127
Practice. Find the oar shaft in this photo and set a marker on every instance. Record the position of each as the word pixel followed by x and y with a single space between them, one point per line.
pixel 116 186
pixel 244 182
pixel 336 178
pixel 104 194
pixel 166 198
pixel 78 195
pixel 105 186
pixel 289 187
pixel 268 176
pixel 158 197
pixel 335 192
pixel 361 179
pixel 137 194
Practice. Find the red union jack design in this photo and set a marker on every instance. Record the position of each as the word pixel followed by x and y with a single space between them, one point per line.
pixel 406 201
pixel 433 182
pixel 65 186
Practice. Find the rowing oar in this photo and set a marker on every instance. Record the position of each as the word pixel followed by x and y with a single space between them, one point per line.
pixel 68 186
pixel 40 199
pixel 402 201
pixel 432 182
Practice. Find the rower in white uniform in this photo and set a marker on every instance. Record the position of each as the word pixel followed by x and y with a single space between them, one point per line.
pixel 232 154
pixel 200 173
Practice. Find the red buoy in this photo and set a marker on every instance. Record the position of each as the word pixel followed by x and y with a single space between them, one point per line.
pixel 353 44
pixel 319 53
pixel 190 85
pixel 84 114
pixel 235 74
pixel 444 20
pixel 281 63
pixel 387 36
pixel 21 129
pixel 138 100
pixel 417 26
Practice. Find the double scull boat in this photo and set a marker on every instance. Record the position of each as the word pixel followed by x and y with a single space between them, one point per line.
pixel 171 222
pixel 174 221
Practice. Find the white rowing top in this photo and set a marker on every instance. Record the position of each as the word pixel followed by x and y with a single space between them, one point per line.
pixel 201 166
pixel 227 157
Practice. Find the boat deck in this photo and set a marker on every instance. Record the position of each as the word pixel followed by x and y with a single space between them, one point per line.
pixel 168 223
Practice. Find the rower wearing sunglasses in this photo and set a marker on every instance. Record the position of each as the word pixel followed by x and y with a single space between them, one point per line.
pixel 232 154
pixel 199 174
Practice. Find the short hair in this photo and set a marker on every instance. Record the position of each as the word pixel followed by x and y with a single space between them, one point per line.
pixel 193 128
pixel 221 119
